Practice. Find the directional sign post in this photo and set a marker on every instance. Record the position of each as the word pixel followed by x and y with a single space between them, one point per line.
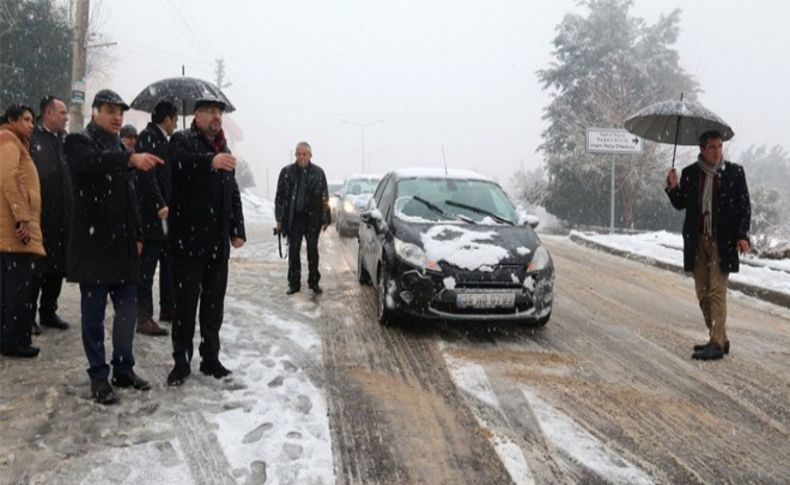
pixel 613 141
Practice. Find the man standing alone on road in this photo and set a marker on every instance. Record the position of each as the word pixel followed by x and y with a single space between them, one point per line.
pixel 105 241
pixel 205 220
pixel 46 148
pixel 302 211
pixel 714 194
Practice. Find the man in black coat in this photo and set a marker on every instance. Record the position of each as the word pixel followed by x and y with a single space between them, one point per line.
pixel 205 220
pixel 153 195
pixel 46 149
pixel 714 194
pixel 105 241
pixel 302 211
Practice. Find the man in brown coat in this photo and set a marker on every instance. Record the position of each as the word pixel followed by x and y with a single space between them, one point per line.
pixel 20 231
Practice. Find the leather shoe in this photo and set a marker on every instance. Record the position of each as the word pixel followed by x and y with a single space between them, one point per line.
pixel 316 289
pixel 102 392
pixel 292 290
pixel 711 352
pixel 53 321
pixel 214 368
pixel 36 329
pixel 150 327
pixel 699 347
pixel 131 380
pixel 178 375
pixel 19 351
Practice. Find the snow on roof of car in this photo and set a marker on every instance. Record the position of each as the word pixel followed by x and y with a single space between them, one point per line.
pixel 366 176
pixel 440 173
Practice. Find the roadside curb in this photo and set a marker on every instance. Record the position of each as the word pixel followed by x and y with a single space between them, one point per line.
pixel 772 296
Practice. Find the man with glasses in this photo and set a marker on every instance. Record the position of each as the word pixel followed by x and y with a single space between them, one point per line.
pixel 205 220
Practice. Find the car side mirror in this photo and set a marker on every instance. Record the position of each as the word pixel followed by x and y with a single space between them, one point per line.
pixel 375 219
pixel 336 194
pixel 530 220
pixel 366 217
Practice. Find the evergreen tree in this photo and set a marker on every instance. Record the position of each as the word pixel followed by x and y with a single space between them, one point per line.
pixel 35 51
pixel 607 66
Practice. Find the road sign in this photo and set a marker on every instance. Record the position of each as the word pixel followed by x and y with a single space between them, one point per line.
pixel 613 140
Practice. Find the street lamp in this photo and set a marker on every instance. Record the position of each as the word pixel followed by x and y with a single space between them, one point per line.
pixel 363 126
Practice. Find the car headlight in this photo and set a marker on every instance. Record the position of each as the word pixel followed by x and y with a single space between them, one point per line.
pixel 414 255
pixel 540 260
pixel 349 207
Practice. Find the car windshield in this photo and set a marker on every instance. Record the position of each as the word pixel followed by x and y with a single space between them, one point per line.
pixel 361 186
pixel 460 200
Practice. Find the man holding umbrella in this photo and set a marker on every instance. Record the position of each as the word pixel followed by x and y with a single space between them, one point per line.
pixel 205 220
pixel 714 194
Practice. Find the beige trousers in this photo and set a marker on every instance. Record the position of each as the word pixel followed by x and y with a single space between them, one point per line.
pixel 711 285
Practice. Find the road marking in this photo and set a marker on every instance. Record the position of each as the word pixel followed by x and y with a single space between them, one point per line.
pixel 583 446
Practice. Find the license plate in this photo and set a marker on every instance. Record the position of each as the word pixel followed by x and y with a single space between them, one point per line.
pixel 499 299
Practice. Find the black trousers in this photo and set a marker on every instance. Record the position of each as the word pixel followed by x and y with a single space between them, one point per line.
pixel 301 228
pixel 48 285
pixel 16 308
pixel 154 252
pixel 203 280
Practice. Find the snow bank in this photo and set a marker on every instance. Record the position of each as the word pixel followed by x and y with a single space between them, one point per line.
pixel 668 248
pixel 255 208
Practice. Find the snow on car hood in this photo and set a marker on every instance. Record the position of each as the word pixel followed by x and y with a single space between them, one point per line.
pixel 462 247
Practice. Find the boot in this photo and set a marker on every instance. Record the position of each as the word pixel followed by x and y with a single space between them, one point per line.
pixel 102 392
pixel 181 369
pixel 150 327
pixel 214 368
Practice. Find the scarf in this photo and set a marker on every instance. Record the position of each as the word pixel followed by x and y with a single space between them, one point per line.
pixel 707 192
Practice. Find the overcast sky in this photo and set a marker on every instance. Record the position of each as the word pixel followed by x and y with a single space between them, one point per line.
pixel 452 73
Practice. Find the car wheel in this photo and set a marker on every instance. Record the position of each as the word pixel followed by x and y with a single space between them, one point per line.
pixel 384 313
pixel 362 273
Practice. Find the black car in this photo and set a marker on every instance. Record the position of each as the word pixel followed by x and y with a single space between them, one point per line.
pixel 451 246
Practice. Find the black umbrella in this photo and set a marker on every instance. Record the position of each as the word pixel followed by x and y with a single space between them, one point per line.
pixel 183 92
pixel 679 122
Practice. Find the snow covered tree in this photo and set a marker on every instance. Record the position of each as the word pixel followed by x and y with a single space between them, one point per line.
pixel 35 51
pixel 768 176
pixel 608 65
pixel 244 175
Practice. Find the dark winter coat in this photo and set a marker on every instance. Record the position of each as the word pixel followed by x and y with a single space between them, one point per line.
pixel 731 218
pixel 205 210
pixel 318 213
pixel 46 149
pixel 154 186
pixel 105 226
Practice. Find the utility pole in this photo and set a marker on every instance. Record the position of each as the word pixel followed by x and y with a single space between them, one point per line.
pixel 78 63
pixel 220 70
pixel 363 126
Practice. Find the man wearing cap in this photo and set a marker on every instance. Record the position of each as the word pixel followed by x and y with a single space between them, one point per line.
pixel 105 241
pixel 205 220
pixel 129 137
pixel 714 194
pixel 153 195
